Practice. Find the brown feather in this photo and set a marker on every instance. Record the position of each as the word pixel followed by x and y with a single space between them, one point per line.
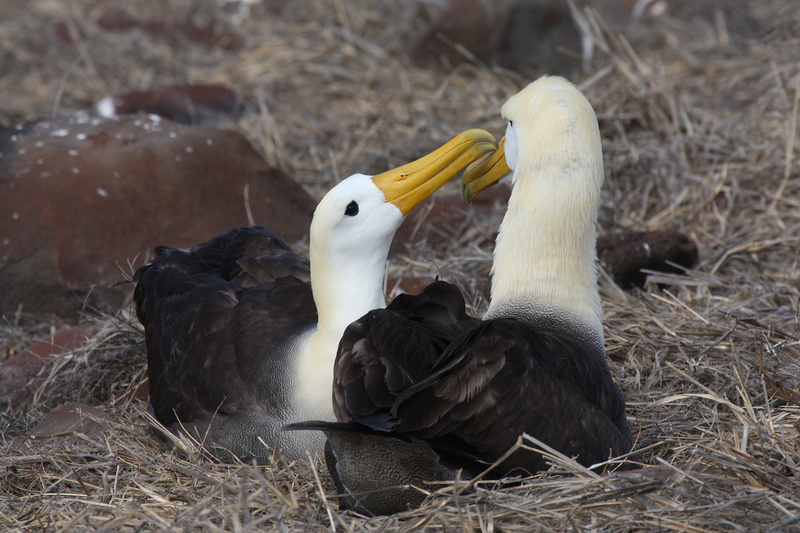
pixel 217 319
pixel 491 383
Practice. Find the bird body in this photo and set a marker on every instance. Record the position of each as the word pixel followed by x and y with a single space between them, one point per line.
pixel 241 332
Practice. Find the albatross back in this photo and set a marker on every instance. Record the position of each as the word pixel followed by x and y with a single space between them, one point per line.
pixel 219 321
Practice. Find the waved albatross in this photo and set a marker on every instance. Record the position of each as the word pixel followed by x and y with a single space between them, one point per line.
pixel 242 333
pixel 456 392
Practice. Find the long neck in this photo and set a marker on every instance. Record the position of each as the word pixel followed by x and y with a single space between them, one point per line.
pixel 342 293
pixel 544 269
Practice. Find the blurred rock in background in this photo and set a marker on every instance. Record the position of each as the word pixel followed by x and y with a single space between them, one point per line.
pixel 86 199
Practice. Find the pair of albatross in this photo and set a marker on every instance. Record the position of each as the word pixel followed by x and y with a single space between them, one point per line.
pixel 242 333
pixel 421 390
pixel 237 348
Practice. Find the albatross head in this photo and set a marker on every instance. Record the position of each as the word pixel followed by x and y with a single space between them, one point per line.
pixel 355 222
pixel 544 265
pixel 549 121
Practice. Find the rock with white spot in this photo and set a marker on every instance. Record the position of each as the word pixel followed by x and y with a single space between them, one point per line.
pixel 87 201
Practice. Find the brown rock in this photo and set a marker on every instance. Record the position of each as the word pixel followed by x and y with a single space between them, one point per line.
pixel 64 421
pixel 82 197
pixel 169 30
pixel 626 254
pixel 21 375
pixel 71 417
pixel 407 285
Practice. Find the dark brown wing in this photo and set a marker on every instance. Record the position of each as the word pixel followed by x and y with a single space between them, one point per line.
pixel 480 389
pixel 504 378
pixel 387 351
pixel 217 318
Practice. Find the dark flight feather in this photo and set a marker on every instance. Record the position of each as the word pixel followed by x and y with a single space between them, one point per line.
pixel 218 318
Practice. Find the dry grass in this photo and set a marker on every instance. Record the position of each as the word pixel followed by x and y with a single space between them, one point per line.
pixel 700 131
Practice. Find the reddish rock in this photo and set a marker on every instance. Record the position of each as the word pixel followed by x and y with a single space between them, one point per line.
pixel 21 375
pixel 188 104
pixel 63 421
pixel 626 254
pixel 72 417
pixel 169 30
pixel 407 285
pixel 82 197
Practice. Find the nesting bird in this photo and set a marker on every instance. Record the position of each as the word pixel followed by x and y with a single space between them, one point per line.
pixel 422 381
pixel 242 333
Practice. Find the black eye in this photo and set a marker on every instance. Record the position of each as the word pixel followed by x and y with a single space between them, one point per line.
pixel 352 209
pixel 510 122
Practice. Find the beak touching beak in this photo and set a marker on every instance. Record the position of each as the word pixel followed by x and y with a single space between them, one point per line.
pixel 484 172
pixel 408 185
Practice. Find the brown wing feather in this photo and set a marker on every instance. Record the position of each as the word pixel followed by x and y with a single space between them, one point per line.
pixel 388 351
pixel 549 386
pixel 217 318
pixel 397 371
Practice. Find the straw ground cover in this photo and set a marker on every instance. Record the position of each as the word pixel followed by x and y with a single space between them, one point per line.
pixel 699 128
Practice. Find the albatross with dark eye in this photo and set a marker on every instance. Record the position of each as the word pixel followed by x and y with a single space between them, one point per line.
pixel 421 381
pixel 242 333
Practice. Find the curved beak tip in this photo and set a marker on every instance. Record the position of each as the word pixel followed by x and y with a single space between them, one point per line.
pixel 484 172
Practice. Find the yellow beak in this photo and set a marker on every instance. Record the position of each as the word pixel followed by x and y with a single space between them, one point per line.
pixel 408 185
pixel 484 172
